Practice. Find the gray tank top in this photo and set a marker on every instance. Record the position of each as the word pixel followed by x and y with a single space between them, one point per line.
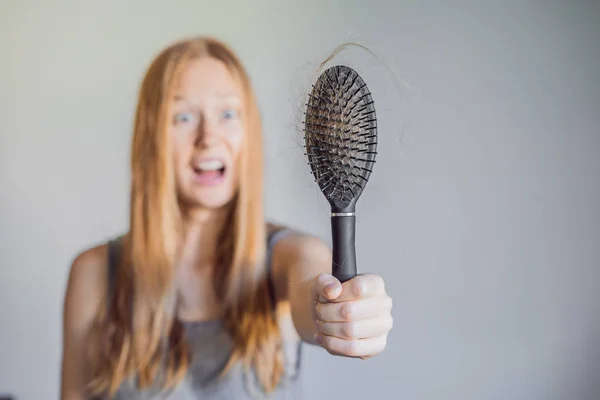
pixel 210 347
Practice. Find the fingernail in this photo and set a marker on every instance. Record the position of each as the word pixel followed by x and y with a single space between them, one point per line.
pixel 329 288
pixel 318 338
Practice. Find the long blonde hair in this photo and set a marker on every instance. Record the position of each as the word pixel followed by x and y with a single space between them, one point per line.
pixel 138 336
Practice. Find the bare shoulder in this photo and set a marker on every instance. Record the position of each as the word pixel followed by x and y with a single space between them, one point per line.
pixel 90 261
pixel 84 294
pixel 86 286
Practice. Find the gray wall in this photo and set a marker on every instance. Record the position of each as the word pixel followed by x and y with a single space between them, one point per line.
pixel 482 213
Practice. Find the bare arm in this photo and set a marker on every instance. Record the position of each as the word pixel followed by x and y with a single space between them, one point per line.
pixel 84 293
pixel 298 260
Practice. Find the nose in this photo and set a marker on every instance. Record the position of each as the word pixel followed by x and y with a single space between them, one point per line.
pixel 207 133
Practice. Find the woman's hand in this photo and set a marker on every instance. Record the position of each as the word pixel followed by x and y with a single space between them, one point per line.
pixel 353 319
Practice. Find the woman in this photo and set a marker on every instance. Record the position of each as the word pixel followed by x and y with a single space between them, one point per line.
pixel 202 298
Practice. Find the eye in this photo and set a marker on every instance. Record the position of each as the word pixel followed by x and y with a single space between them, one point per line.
pixel 183 118
pixel 230 113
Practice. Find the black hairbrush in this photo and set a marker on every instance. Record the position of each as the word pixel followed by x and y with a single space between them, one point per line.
pixel 340 133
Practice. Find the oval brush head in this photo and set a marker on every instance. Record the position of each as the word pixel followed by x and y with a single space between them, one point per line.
pixel 340 133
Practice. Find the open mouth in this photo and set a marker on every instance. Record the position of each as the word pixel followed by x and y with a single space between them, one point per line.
pixel 209 171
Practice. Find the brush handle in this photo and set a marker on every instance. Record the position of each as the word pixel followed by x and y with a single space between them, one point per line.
pixel 343 230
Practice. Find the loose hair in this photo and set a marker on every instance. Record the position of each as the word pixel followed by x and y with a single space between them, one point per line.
pixel 138 336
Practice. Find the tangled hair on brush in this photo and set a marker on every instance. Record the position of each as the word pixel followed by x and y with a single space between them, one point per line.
pixel 341 135
pixel 394 86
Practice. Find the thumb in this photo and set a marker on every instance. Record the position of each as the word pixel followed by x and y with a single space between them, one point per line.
pixel 326 286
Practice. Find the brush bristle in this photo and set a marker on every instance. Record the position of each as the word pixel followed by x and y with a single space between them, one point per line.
pixel 340 133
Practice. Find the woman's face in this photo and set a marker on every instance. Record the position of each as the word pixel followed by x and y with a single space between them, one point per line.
pixel 206 133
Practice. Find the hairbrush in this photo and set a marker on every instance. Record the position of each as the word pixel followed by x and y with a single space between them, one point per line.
pixel 340 135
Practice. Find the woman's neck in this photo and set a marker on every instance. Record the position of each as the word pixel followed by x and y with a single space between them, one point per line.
pixel 202 228
pixel 195 289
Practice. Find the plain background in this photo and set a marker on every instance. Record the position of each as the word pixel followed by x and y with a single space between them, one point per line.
pixel 482 213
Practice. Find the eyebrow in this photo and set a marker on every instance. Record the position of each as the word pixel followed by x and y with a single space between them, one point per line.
pixel 179 97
